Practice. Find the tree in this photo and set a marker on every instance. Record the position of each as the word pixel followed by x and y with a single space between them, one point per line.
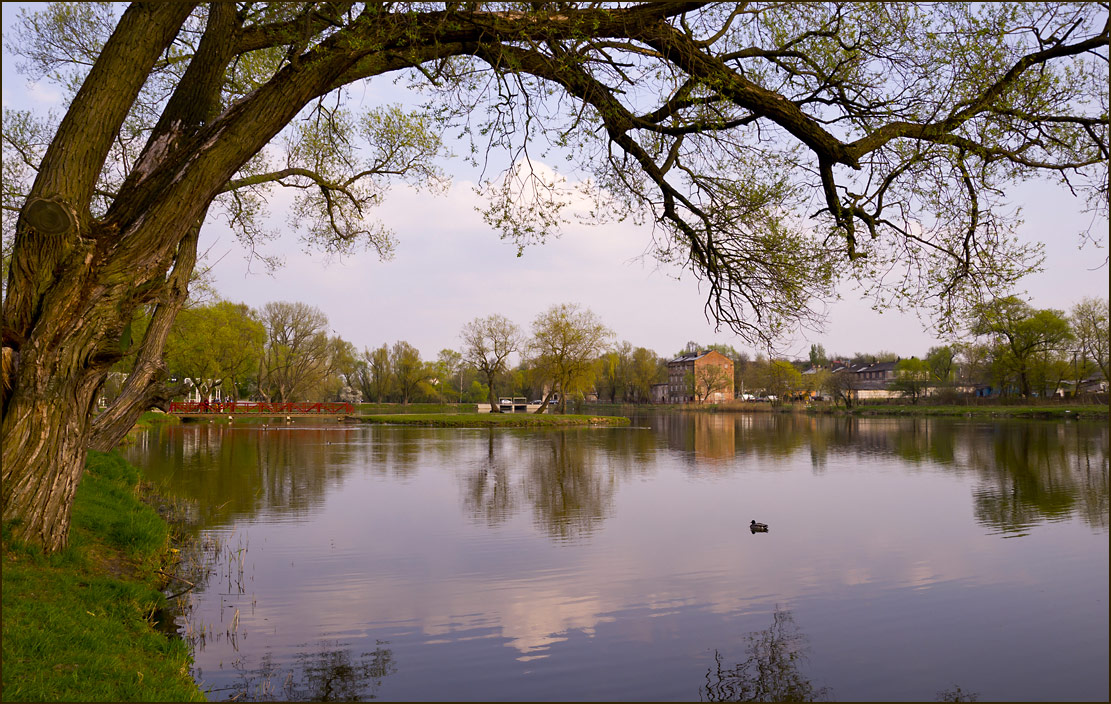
pixel 1089 324
pixel 298 354
pixel 341 382
pixel 646 369
pixel 1021 333
pixel 781 379
pixel 912 377
pixel 709 379
pixel 815 381
pixel 818 356
pixel 905 121
pixel 408 370
pixel 939 361
pixel 487 344
pixel 374 374
pixel 449 364
pixel 975 362
pixel 222 341
pixel 772 672
pixel 613 373
pixel 565 342
pixel 841 385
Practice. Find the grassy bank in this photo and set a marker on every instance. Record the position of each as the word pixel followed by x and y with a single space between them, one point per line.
pixel 380 409
pixel 494 420
pixel 151 419
pixel 982 409
pixel 79 625
pixel 1059 412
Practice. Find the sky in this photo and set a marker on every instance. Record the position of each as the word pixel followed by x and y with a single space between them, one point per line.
pixel 450 267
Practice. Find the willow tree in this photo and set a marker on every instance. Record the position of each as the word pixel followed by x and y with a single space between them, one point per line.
pixel 566 342
pixel 775 147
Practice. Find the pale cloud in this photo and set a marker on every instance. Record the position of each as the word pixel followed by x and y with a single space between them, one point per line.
pixel 449 268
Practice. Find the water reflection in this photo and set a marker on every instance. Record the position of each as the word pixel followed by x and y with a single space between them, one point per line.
pixel 598 563
pixel 570 490
pixel 1032 472
pixel 327 674
pixel 771 673
pixel 285 468
pixel 956 694
pixel 488 494
pixel 1025 472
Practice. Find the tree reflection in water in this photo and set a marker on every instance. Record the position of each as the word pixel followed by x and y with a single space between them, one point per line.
pixel 570 489
pixel 327 675
pixel 956 694
pixel 487 492
pixel 772 671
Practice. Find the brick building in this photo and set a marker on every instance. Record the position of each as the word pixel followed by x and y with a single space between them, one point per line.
pixel 700 377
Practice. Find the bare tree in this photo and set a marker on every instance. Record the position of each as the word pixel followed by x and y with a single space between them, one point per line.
pixel 297 354
pixel 1089 324
pixel 487 344
pixel 375 374
pixel 710 379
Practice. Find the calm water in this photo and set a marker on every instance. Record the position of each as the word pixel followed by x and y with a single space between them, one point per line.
pixel 907 559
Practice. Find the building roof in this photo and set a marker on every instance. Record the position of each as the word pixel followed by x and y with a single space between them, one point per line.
pixel 692 356
pixel 878 367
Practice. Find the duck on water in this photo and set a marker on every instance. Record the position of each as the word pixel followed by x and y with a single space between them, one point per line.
pixel 758 527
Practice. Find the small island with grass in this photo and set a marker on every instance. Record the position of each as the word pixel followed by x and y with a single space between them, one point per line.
pixel 493 420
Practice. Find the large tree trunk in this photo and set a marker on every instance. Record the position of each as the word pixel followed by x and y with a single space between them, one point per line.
pixel 60 363
pixel 67 305
pixel 46 430
pixel 495 407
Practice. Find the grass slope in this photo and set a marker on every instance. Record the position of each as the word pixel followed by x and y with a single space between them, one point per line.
pixel 1054 411
pixel 78 625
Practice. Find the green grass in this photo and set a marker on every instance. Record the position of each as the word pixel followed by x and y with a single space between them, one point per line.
pixel 985 411
pixel 151 418
pixel 390 408
pixel 78 624
pixel 494 420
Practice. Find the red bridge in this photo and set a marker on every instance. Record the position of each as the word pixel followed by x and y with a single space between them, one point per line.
pixel 259 408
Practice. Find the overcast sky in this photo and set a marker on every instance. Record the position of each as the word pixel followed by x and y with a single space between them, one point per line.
pixel 450 267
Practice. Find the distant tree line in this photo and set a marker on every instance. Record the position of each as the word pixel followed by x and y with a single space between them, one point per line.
pixel 1009 348
pixel 288 352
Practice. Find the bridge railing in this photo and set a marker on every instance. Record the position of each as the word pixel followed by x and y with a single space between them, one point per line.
pixel 259 407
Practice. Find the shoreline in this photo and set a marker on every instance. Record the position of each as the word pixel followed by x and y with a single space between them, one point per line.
pixel 494 420
pixel 82 624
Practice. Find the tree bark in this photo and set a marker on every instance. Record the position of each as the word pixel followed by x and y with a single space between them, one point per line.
pixel 494 406
pixel 144 388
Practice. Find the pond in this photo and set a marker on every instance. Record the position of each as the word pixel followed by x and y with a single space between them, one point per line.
pixel 905 559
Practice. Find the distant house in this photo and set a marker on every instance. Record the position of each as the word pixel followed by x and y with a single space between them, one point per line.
pixel 700 377
pixel 659 393
pixel 864 382
pixel 1095 384
pixel 879 371
pixel 873 382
